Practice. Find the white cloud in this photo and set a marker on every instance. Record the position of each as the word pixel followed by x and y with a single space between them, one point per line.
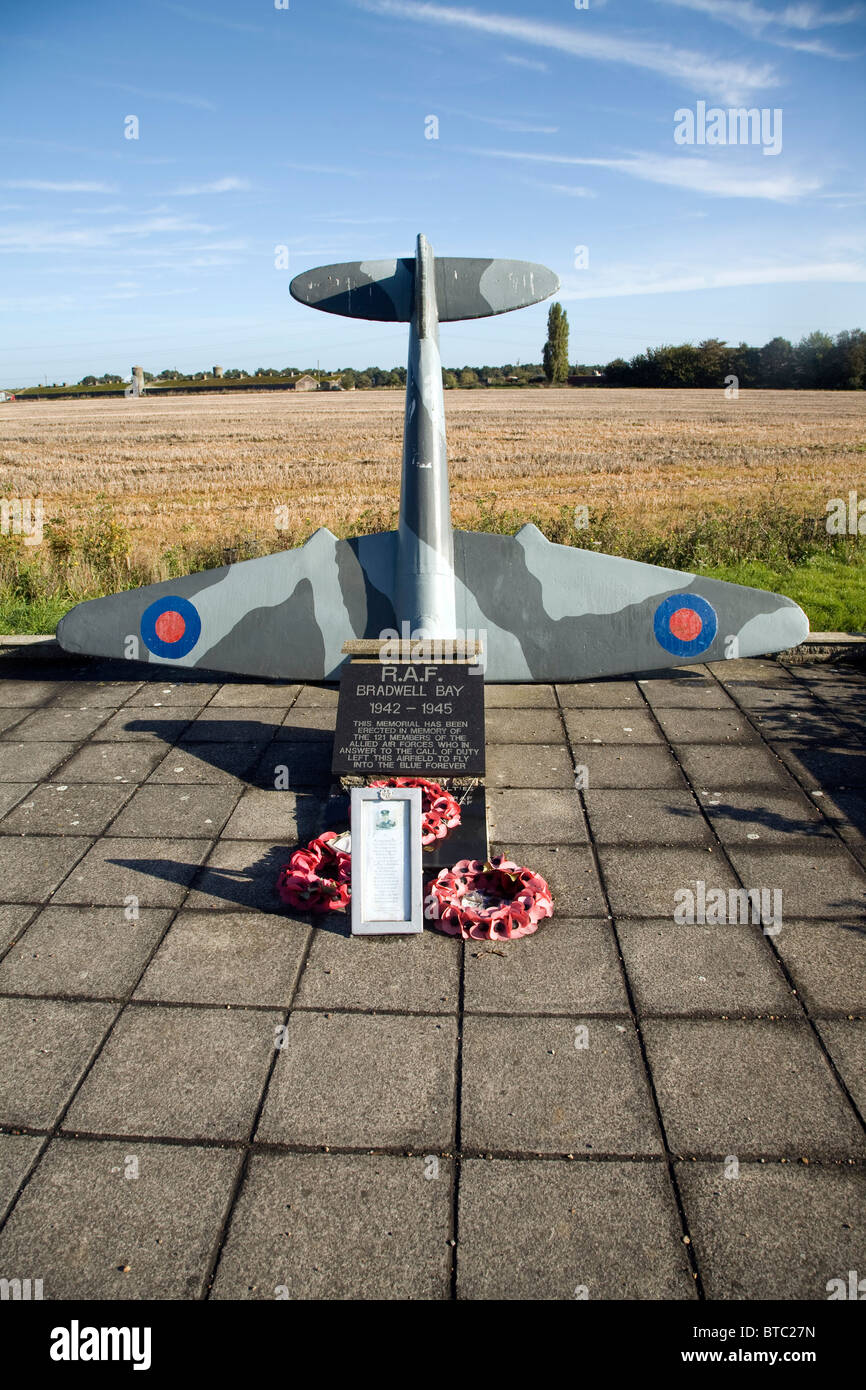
pixel 733 80
pixel 49 236
pixel 58 186
pixel 719 177
pixel 771 25
pixel 226 185
pixel 176 98
pixel 621 282
pixel 534 65
pixel 322 169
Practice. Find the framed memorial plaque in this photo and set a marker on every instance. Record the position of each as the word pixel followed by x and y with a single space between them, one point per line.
pixel 387 886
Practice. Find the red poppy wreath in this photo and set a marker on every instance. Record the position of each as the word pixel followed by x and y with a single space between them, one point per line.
pixel 491 901
pixel 316 879
pixel 440 811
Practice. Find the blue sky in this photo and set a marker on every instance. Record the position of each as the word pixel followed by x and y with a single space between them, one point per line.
pixel 306 127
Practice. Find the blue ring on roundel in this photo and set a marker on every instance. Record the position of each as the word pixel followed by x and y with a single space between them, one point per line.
pixel 679 646
pixel 188 638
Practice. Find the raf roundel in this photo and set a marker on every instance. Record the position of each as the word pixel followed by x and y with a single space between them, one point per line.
pixel 170 627
pixel 685 624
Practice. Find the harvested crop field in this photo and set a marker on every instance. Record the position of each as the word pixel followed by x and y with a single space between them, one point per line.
pixel 178 470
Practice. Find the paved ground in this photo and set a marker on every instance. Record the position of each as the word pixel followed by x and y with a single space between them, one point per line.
pixel 619 1106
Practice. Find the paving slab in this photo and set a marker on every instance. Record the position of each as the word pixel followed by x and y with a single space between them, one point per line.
pixel 18 1153
pixel 11 718
pixel 130 725
pixel 111 762
pixel 616 765
pixel 696 693
pixel 317 697
pixel 339 1226
pixel 567 967
pixel 179 1073
pixel 570 873
pixel 519 697
pixel 28 762
pixel 92 1232
pixel 67 808
pixel 11 793
pixel 712 767
pixel 32 866
pixel 160 810
pixel 283 816
pixel 226 958
pixel 816 879
pixel 16 693
pixel 777 1232
pixel 419 973
pixel 315 725
pixel 13 919
pixel 754 1089
pixel 523 726
pixel 817 724
pixel 95 694
pixel 695 969
pixel 363 1081
pixel 775 817
pixel 571 1230
pixel 167 694
pixel 529 765
pixel 827 962
pixel 645 882
pixel 258 695
pixel 600 695
pixel 241 874
pixel 207 764
pixel 824 765
pixel 58 722
pixel 846 812
pixel 845 1040
pixel 47 1045
pixel 290 766
pixel 651 816
pixel 83 952
pixel 610 726
pixel 526 817
pixel 156 872
pixel 706 726
pixel 527 1087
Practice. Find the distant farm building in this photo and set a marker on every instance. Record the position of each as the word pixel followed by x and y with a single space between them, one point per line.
pixel 217 371
pixel 306 383
pixel 333 383
pixel 588 379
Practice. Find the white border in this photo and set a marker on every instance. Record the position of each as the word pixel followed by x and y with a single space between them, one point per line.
pixel 360 925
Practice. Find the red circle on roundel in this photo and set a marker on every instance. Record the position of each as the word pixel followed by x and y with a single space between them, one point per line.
pixel 170 626
pixel 685 624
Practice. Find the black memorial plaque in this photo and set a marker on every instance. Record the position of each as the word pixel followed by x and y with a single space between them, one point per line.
pixel 410 719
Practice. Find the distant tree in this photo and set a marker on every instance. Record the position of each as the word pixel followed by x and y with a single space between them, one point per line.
pixel 363 381
pixel 711 362
pixel 468 377
pixel 814 362
pixel 555 356
pixel 87 381
pixel 777 363
pixel 849 361
pixel 110 379
pixel 449 379
pixel 234 372
pixel 170 374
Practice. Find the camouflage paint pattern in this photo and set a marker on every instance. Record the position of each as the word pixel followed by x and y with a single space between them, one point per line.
pixel 545 612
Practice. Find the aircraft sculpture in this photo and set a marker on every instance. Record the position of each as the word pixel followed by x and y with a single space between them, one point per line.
pixel 543 612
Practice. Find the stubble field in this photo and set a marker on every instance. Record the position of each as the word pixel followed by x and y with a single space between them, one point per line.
pixel 180 478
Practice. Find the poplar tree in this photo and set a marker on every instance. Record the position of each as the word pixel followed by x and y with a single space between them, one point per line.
pixel 555 358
